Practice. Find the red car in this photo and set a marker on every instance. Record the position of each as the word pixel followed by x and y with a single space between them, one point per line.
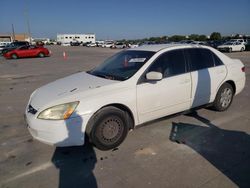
pixel 27 51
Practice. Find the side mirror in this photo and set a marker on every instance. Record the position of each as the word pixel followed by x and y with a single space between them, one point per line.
pixel 154 76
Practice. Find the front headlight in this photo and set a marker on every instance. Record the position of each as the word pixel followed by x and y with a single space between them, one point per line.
pixel 59 112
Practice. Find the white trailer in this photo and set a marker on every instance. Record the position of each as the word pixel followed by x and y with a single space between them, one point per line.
pixel 82 38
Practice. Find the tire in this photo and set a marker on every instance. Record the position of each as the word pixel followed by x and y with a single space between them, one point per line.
pixel 224 97
pixel 230 50
pixel 108 128
pixel 41 54
pixel 14 56
pixel 242 49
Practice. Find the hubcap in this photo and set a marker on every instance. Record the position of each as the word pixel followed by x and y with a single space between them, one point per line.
pixel 226 97
pixel 111 129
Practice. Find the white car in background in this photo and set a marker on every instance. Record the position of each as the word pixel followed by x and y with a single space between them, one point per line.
pixel 4 44
pixel 232 47
pixel 108 44
pixel 92 44
pixel 65 44
pixel 132 87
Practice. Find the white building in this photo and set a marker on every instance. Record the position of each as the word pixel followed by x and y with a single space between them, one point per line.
pixel 82 38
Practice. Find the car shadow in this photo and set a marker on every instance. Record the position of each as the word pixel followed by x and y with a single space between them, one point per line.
pixel 228 151
pixel 75 164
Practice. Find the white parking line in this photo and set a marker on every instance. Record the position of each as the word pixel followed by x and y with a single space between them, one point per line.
pixel 31 171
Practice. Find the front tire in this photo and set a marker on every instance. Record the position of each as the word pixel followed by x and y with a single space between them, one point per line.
pixel 14 56
pixel 109 128
pixel 41 55
pixel 242 49
pixel 224 97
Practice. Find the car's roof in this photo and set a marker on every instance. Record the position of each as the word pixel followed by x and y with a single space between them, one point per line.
pixel 158 47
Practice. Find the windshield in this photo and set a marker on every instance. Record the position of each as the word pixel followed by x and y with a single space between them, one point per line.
pixel 122 65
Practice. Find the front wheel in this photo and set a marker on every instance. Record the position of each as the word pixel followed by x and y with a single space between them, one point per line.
pixel 224 97
pixel 230 50
pixel 242 49
pixel 41 54
pixel 14 56
pixel 109 128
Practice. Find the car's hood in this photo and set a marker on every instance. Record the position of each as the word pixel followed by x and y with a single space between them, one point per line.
pixel 66 87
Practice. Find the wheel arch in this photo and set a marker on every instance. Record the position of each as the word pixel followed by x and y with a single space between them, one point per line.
pixel 125 109
pixel 231 82
pixel 116 105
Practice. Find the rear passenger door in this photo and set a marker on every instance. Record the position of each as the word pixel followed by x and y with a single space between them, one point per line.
pixel 207 74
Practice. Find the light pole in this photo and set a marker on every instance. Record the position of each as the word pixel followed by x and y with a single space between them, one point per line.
pixel 28 23
pixel 13 33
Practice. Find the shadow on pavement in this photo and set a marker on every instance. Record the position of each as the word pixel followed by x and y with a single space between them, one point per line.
pixel 228 151
pixel 75 164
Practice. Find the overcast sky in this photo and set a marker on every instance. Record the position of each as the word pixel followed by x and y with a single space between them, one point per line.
pixel 130 19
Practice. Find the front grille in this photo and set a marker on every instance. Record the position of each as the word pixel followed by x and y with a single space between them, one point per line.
pixel 31 110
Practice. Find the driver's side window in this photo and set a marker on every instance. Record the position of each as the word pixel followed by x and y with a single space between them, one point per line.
pixel 169 64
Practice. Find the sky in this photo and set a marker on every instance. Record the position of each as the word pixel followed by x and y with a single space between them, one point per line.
pixel 125 19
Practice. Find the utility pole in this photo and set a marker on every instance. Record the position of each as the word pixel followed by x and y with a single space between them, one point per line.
pixel 13 33
pixel 28 24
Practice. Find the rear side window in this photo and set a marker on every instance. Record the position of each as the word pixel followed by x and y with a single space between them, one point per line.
pixel 217 61
pixel 199 59
pixel 170 63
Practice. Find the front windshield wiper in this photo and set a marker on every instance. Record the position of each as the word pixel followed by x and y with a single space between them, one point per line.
pixel 106 76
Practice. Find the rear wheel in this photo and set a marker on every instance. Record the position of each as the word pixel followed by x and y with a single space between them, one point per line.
pixel 14 56
pixel 108 128
pixel 224 97
pixel 41 54
pixel 242 49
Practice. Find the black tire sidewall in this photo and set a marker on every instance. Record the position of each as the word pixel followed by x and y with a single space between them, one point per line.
pixel 217 106
pixel 99 118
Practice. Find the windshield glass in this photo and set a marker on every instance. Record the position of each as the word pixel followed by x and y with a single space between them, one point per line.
pixel 122 65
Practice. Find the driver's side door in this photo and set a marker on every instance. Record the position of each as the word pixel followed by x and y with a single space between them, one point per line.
pixel 170 95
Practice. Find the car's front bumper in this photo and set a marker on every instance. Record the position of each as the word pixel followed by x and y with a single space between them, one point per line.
pixel 70 132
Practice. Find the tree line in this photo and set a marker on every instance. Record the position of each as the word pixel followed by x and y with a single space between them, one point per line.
pixel 177 38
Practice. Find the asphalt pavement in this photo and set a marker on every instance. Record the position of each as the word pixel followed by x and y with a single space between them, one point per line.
pixel 200 149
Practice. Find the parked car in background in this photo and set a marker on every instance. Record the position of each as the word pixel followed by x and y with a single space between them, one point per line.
pixel 119 45
pixel 132 87
pixel 232 47
pixel 27 51
pixel 247 45
pixel 238 40
pixel 75 43
pixel 99 43
pixel 216 43
pixel 91 44
pixel 13 45
pixel 199 43
pixel 133 45
pixel 65 44
pixel 4 44
pixel 108 44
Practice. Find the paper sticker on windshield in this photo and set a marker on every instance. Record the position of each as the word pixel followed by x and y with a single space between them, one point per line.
pixel 137 60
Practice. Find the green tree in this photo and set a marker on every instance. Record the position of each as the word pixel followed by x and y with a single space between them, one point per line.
pixel 215 36
pixel 177 38
pixel 202 38
pixel 193 37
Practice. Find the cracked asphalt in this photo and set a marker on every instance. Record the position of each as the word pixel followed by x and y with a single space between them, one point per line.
pixel 200 149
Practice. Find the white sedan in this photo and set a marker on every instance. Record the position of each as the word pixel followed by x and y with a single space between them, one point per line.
pixel 132 87
pixel 232 47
